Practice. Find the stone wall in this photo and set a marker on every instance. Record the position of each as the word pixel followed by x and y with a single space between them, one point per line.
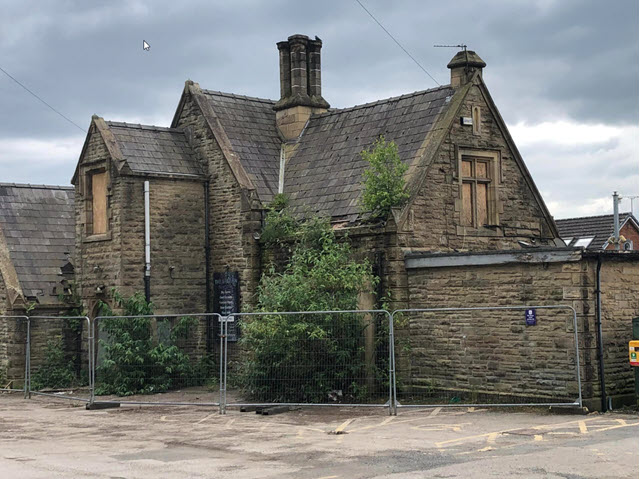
pixel 494 352
pixel 619 281
pixel 98 260
pixel 434 220
pixel 235 212
pixel 177 242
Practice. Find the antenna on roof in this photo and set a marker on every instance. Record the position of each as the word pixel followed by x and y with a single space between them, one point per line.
pixel 462 45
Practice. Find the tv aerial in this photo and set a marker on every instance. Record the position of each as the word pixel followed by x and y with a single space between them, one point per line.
pixel 462 45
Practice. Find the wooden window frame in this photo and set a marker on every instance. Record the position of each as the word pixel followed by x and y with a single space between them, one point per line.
pixel 493 160
pixel 88 201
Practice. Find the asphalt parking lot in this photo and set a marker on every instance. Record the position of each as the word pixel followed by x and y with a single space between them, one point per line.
pixel 45 438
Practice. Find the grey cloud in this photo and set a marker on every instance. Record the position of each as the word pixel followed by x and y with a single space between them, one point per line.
pixel 547 60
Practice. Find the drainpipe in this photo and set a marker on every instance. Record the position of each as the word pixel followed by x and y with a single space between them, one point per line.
pixel 603 392
pixel 147 245
pixel 207 266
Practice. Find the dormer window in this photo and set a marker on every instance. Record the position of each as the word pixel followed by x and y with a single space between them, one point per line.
pixel 96 203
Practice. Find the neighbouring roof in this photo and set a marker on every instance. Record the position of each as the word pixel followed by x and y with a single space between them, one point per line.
pixel 325 173
pixel 250 125
pixel 154 149
pixel 597 228
pixel 38 224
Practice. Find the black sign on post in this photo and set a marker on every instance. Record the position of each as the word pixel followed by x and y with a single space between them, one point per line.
pixel 226 299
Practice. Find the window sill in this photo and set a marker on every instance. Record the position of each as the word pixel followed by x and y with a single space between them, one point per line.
pixel 489 230
pixel 95 238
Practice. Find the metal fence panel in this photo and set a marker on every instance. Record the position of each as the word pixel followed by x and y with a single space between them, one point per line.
pixel 310 358
pixel 487 356
pixel 14 352
pixel 59 357
pixel 157 359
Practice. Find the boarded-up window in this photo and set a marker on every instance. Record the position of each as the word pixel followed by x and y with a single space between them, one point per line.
pixel 97 216
pixel 467 204
pixel 476 181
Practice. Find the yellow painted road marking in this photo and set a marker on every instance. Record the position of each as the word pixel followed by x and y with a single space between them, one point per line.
pixel 435 412
pixel 537 437
pixel 300 432
pixel 479 436
pixel 440 427
pixel 328 477
pixel 342 426
pixel 583 427
pixel 491 438
pixel 618 426
pixel 228 425
pixel 206 418
pixel 386 421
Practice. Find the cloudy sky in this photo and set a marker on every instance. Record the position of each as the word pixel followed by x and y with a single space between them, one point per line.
pixel 564 73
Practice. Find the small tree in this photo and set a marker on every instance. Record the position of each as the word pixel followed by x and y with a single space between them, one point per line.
pixel 134 363
pixel 383 179
pixel 316 353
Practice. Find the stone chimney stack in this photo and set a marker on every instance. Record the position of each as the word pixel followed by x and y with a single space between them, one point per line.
pixel 463 65
pixel 300 84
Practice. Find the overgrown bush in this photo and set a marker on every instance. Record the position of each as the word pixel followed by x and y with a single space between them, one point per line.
pixel 58 371
pixel 384 185
pixel 137 363
pixel 317 354
pixel 279 223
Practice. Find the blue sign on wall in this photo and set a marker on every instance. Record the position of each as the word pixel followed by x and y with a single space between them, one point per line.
pixel 530 317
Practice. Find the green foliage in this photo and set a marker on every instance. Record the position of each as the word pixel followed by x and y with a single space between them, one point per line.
pixel 316 353
pixel 279 223
pixel 57 372
pixel 136 362
pixel 384 185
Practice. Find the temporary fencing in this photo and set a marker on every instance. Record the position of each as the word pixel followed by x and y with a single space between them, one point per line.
pixel 310 358
pixel 147 359
pixel 59 357
pixel 487 356
pixel 15 351
pixel 469 356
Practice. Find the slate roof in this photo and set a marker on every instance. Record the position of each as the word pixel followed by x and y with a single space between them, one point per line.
pixel 154 149
pixel 601 227
pixel 250 125
pixel 325 173
pixel 39 227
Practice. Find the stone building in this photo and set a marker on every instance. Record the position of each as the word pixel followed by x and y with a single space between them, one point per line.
pixel 211 174
pixel 177 212
pixel 37 242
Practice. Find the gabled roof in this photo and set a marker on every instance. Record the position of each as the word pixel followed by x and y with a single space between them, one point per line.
pixel 598 227
pixel 38 226
pixel 325 172
pixel 250 126
pixel 154 149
